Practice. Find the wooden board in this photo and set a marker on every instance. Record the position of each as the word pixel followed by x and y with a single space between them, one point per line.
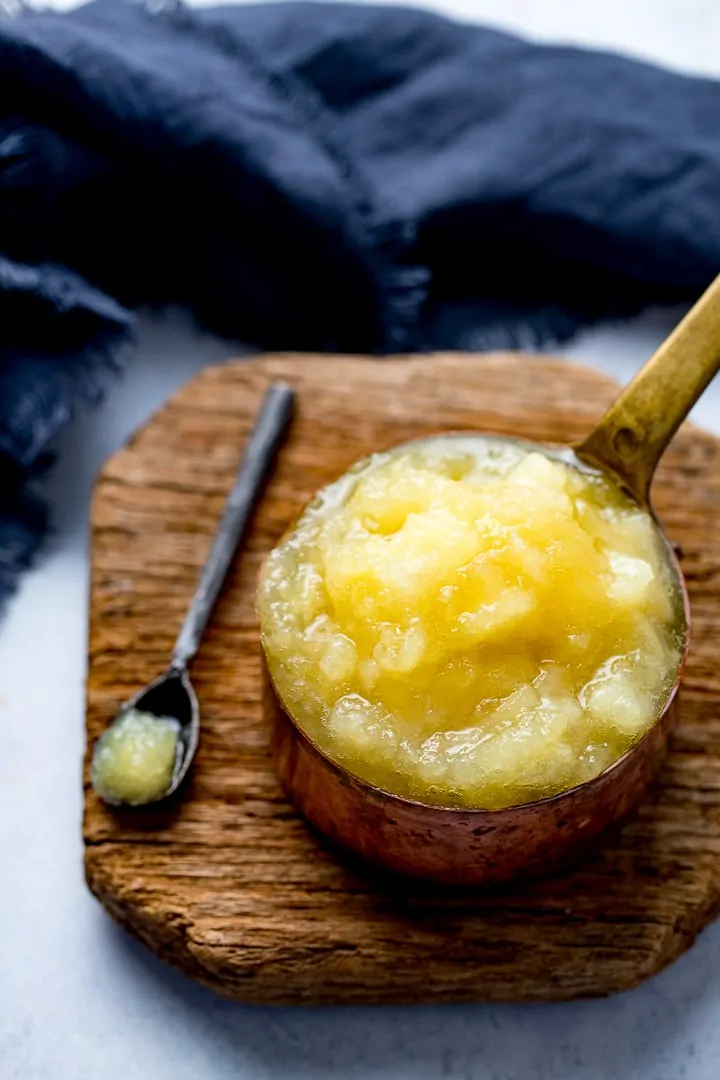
pixel 230 884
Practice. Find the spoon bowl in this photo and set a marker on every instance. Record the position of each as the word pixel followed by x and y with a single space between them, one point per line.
pixel 171 696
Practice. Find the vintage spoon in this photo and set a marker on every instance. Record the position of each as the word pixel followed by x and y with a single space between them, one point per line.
pixel 171 700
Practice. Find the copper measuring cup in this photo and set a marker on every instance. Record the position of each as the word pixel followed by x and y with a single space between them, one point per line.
pixel 480 847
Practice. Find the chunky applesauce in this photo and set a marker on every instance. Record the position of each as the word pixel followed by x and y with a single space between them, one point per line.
pixel 135 758
pixel 470 622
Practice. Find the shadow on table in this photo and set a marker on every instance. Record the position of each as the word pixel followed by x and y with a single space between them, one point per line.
pixel 654 1031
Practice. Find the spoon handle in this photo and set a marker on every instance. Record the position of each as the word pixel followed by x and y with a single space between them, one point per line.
pixel 265 438
pixel 634 432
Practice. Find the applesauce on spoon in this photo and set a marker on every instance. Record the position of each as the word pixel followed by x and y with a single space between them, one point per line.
pixel 472 621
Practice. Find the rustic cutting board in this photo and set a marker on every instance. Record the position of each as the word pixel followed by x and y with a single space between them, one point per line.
pixel 230 884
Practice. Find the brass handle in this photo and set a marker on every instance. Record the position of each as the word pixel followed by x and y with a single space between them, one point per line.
pixel 634 432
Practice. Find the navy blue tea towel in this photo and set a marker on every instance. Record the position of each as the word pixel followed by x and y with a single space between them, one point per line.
pixel 323 176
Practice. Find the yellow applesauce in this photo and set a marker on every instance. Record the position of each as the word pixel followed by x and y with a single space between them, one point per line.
pixel 135 758
pixel 471 622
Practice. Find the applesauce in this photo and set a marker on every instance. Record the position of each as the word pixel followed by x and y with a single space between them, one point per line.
pixel 135 758
pixel 471 622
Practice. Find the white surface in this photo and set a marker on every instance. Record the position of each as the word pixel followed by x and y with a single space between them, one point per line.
pixel 79 1000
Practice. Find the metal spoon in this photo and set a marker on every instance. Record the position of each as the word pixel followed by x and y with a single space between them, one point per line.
pixel 172 695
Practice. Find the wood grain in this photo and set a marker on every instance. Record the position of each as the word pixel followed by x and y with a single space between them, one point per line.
pixel 229 884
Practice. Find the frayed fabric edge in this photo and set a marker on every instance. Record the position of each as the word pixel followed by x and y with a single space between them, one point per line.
pixel 24 513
